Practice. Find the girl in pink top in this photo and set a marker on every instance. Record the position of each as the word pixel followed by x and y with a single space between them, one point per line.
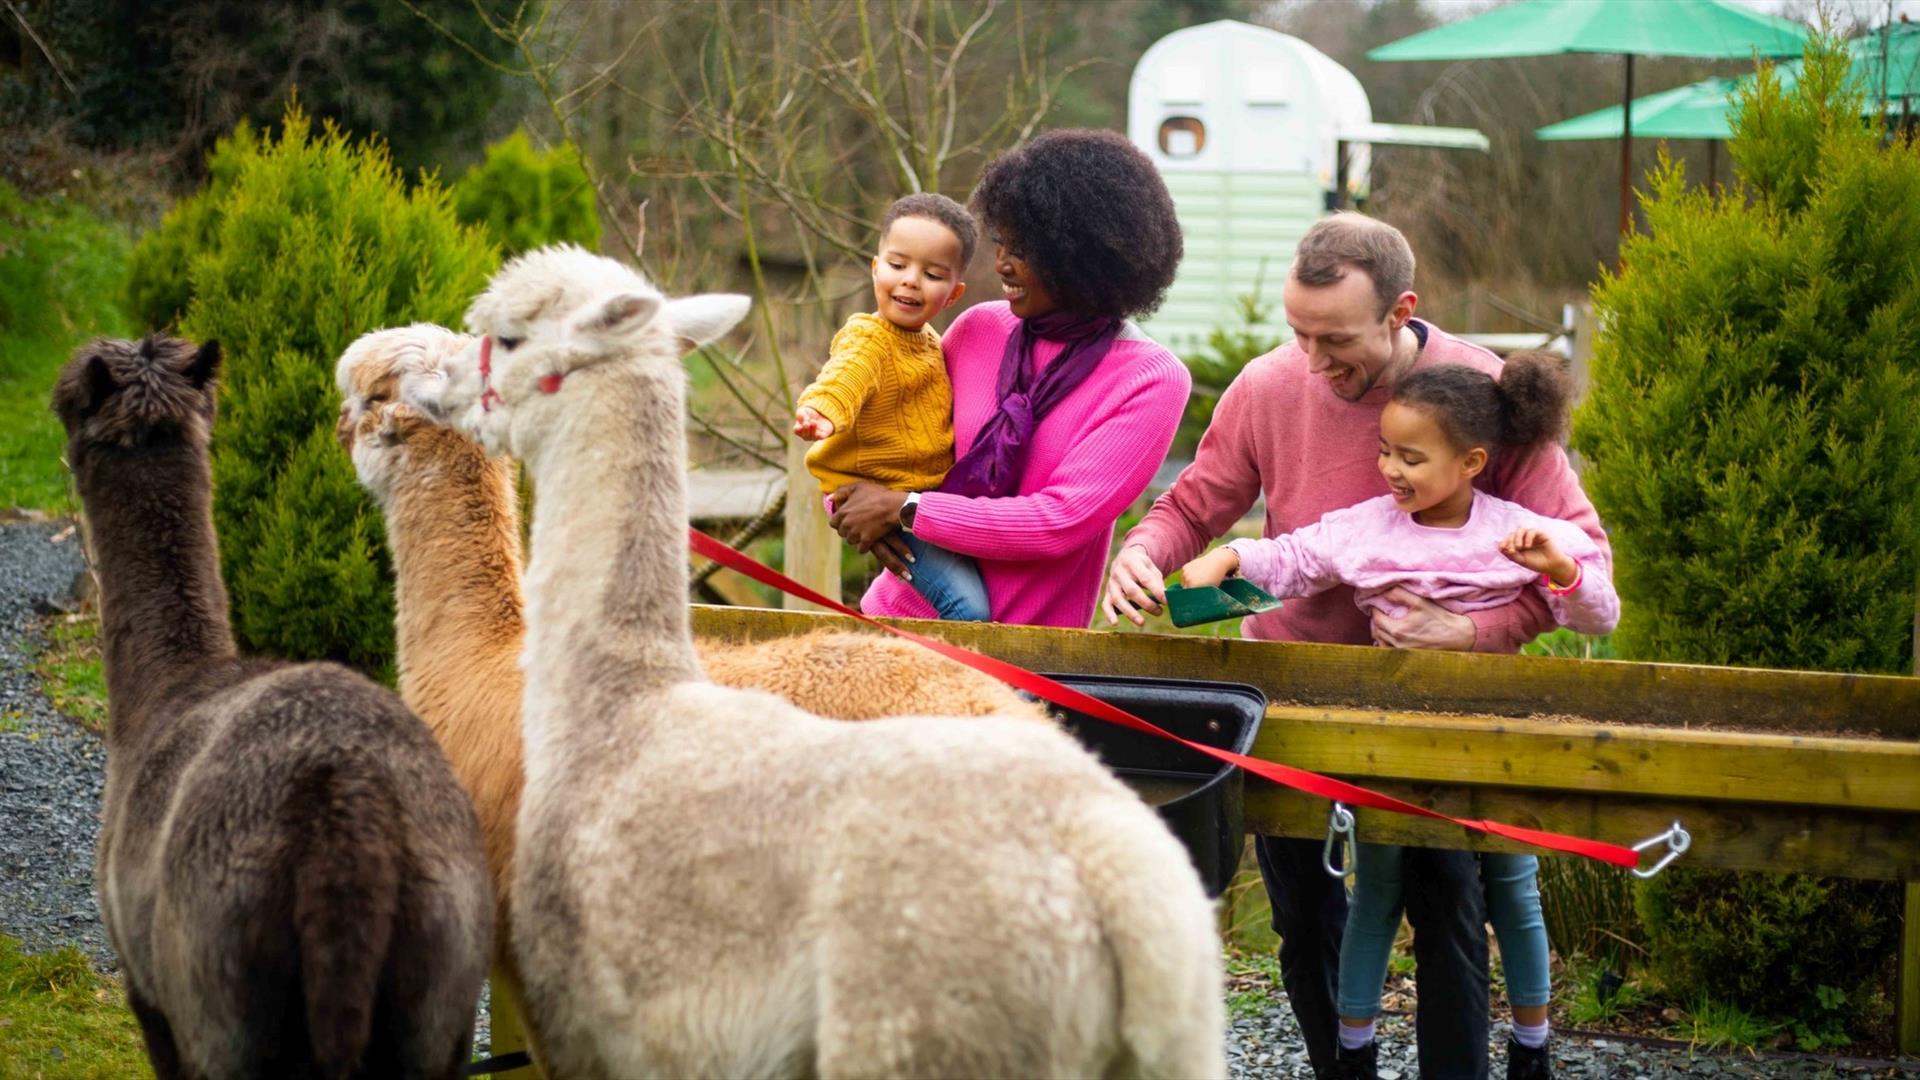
pixel 1062 408
pixel 1437 537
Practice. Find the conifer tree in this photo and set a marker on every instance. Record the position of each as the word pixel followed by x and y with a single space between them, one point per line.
pixel 312 241
pixel 1753 429
pixel 527 198
pixel 1752 438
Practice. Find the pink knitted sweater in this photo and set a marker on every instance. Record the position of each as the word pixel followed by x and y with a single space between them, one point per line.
pixel 1280 431
pixel 1042 551
pixel 1374 546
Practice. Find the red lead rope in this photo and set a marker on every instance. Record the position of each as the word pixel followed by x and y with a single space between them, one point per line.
pixel 1324 787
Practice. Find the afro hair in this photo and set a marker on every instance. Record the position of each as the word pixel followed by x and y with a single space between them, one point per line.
pixel 1090 216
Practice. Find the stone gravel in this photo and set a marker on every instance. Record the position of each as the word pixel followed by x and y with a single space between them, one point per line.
pixel 1269 1045
pixel 52 772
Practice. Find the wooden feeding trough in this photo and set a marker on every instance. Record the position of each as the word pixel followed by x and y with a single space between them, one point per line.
pixel 1768 770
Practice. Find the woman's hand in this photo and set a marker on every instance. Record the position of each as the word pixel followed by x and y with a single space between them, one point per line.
pixel 1133 585
pixel 1535 550
pixel 1422 624
pixel 809 424
pixel 1212 568
pixel 867 516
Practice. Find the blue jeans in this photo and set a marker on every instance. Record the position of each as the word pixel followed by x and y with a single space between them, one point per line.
pixel 1443 901
pixel 950 582
pixel 1373 917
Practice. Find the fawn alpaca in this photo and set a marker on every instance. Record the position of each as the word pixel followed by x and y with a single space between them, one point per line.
pixel 709 881
pixel 287 868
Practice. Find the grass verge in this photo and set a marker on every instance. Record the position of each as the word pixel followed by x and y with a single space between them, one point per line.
pixel 61 269
pixel 61 1020
pixel 70 671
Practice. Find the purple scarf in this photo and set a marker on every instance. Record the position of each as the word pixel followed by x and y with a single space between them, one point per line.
pixel 992 466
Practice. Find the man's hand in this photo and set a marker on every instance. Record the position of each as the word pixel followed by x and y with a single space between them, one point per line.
pixel 1210 569
pixel 809 424
pixel 1423 625
pixel 1133 584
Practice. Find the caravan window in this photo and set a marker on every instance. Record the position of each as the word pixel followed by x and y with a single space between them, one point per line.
pixel 1182 136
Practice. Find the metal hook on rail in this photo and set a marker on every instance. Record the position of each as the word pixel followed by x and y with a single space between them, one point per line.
pixel 1339 822
pixel 1677 841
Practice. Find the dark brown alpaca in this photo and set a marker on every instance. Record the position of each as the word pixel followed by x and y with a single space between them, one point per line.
pixel 290 873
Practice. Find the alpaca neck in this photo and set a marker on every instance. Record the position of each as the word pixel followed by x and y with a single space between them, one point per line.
pixel 607 586
pixel 454 531
pixel 163 609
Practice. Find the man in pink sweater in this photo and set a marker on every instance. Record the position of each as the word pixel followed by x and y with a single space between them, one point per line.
pixel 1301 426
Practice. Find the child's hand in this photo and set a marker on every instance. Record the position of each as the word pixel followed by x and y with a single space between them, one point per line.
pixel 1536 551
pixel 810 425
pixel 1211 568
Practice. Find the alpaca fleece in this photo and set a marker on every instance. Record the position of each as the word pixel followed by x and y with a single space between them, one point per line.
pixel 453 527
pixel 289 871
pixel 709 881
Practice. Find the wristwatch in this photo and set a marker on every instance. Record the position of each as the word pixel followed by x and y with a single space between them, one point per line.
pixel 908 509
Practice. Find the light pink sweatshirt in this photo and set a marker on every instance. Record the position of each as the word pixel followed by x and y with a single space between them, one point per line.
pixel 1375 546
pixel 1279 430
pixel 1042 551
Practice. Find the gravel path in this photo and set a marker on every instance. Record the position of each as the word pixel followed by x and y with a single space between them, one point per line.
pixel 1269 1045
pixel 52 771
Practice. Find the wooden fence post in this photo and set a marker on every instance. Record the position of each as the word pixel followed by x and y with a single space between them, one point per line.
pixel 813 548
pixel 1906 997
pixel 1906 1009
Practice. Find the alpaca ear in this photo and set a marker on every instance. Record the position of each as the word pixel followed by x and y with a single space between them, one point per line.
pixel 204 365
pixel 97 380
pixel 697 320
pixel 621 314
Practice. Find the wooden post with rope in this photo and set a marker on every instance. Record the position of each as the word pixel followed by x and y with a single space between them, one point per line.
pixel 812 548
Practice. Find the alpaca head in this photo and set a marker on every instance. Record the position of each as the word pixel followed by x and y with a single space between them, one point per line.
pixel 547 317
pixel 376 428
pixel 120 395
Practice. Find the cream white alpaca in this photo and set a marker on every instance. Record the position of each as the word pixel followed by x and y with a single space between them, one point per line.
pixel 711 882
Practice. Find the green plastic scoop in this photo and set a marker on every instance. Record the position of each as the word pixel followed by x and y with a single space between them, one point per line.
pixel 1231 599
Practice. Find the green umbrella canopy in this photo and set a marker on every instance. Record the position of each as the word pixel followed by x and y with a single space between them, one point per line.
pixel 1699 28
pixel 1695 111
pixel 1704 110
pixel 1703 28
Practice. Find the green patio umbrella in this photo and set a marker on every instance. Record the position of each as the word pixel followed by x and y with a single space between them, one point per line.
pixel 1700 28
pixel 1699 110
pixel 1886 67
pixel 1694 111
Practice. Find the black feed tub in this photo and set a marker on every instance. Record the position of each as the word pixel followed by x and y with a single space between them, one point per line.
pixel 1199 797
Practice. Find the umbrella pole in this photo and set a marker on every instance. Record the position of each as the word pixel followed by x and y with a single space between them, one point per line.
pixel 1626 155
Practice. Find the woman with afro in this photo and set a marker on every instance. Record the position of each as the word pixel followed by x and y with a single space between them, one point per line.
pixel 1062 408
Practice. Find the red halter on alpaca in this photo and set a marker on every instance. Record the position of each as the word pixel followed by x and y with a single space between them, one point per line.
pixel 488 395
pixel 549 384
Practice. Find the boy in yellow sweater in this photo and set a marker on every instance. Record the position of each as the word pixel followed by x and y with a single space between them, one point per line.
pixel 882 408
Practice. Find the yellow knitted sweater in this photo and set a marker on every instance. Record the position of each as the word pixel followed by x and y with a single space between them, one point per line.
pixel 886 391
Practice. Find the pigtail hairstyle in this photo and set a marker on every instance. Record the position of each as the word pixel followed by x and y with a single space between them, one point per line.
pixel 1525 407
pixel 1535 392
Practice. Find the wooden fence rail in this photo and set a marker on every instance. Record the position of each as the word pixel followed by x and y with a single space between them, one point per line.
pixel 1769 770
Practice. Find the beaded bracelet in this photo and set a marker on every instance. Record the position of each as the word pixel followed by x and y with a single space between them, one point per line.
pixel 1579 575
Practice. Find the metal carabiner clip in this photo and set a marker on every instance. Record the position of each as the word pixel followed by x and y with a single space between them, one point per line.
pixel 1677 841
pixel 1339 822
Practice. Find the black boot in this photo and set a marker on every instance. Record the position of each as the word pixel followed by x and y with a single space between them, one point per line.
pixel 1361 1064
pixel 1524 1063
